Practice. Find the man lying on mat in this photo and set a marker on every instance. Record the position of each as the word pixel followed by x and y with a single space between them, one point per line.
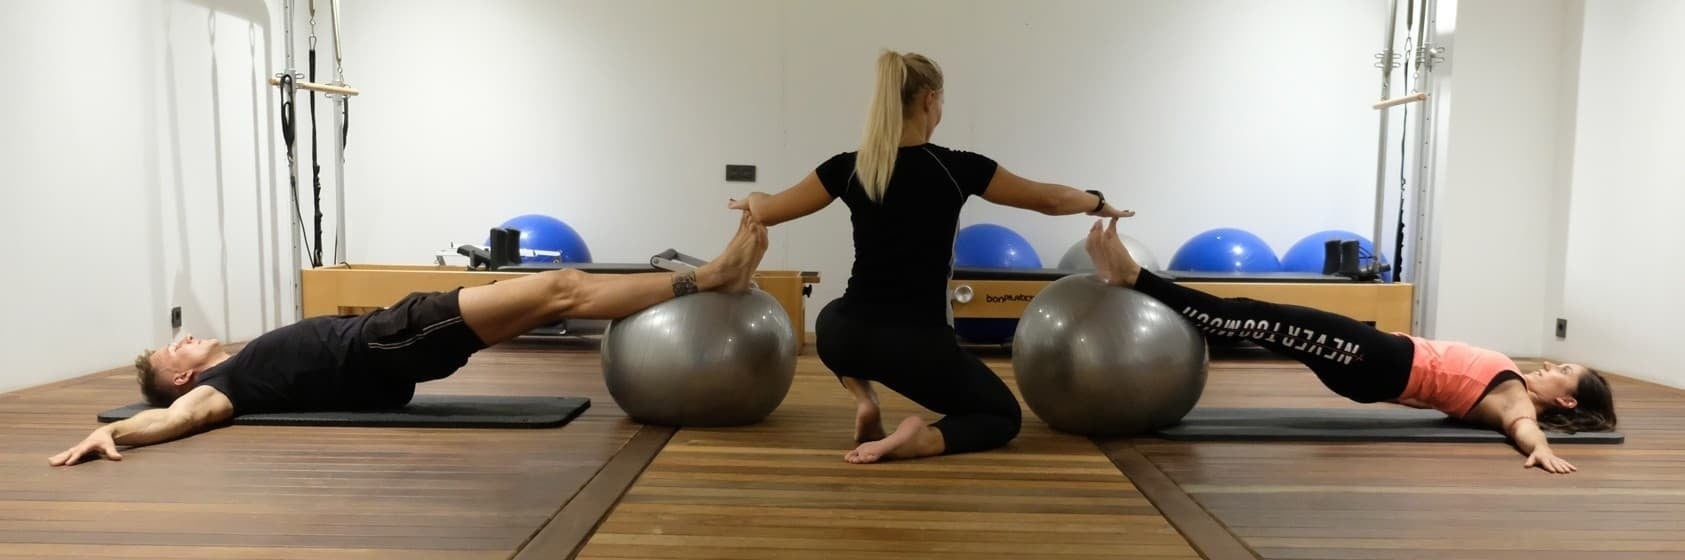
pixel 374 360
pixel 1367 365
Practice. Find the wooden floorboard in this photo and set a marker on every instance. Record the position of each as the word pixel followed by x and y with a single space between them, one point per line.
pixel 1411 500
pixel 1208 536
pixel 567 531
pixel 305 492
pixel 780 489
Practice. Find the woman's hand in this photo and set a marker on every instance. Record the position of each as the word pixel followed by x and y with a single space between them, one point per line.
pixel 1107 211
pixel 1545 459
pixel 745 203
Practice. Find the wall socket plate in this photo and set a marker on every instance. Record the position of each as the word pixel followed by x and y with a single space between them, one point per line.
pixel 740 173
pixel 1561 328
pixel 175 317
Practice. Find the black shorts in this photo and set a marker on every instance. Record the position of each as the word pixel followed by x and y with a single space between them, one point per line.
pixel 420 338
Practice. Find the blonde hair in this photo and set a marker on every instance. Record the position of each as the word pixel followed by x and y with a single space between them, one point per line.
pixel 901 79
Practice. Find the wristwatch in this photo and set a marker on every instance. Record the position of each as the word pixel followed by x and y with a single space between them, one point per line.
pixel 1102 203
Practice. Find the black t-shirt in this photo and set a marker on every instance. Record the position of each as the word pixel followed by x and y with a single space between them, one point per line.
pixel 310 365
pixel 904 244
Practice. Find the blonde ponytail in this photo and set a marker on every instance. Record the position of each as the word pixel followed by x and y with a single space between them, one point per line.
pixel 901 78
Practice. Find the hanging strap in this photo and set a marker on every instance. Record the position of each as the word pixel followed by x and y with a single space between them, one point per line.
pixel 315 154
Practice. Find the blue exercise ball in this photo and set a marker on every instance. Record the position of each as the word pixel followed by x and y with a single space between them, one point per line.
pixel 991 246
pixel 1308 254
pixel 1226 250
pixel 544 233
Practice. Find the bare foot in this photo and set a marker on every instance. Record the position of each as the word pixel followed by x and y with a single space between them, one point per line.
pixel 868 423
pixel 762 243
pixel 1098 254
pixel 1112 261
pixel 1128 270
pixel 912 439
pixel 732 271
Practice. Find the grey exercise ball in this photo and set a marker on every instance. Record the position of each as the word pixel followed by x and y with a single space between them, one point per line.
pixel 707 359
pixel 1076 258
pixel 1102 360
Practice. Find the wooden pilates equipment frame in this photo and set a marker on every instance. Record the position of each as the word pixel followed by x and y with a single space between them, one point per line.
pixel 1387 306
pixel 356 288
pixel 335 89
pixel 1396 101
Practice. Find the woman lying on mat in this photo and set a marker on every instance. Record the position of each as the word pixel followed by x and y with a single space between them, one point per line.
pixel 374 360
pixel 1367 365
pixel 904 196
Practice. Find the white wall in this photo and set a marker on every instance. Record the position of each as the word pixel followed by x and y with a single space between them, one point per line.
pixel 1497 175
pixel 1567 105
pixel 134 182
pixel 215 185
pixel 1628 184
pixel 1197 115
pixel 77 163
pixel 618 117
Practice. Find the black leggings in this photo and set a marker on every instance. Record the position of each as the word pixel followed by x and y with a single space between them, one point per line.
pixel 1355 360
pixel 925 363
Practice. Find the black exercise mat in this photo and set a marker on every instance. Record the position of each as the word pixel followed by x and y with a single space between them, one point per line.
pixel 1342 424
pixel 424 411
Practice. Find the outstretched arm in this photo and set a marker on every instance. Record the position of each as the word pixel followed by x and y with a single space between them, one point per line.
pixel 1007 189
pixel 1514 416
pixel 200 408
pixel 1531 440
pixel 801 199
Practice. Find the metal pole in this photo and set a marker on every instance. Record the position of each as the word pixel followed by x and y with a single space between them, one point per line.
pixel 1381 148
pixel 338 53
pixel 297 229
pixel 339 181
pixel 339 137
pixel 287 26
pixel 1422 198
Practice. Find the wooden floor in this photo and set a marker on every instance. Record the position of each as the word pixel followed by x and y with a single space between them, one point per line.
pixel 1396 500
pixel 781 490
pixel 304 492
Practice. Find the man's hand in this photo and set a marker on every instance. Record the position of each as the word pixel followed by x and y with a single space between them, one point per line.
pixel 199 409
pixel 98 442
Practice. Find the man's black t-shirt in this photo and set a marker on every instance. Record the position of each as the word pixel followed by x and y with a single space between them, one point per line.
pixel 314 364
pixel 904 243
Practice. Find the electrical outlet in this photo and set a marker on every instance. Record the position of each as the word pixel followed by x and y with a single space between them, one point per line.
pixel 1561 328
pixel 175 317
pixel 740 173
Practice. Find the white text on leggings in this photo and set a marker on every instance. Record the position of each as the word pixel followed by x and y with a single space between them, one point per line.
pixel 1293 338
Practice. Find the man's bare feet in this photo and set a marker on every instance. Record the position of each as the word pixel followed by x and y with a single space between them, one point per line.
pixel 1112 262
pixel 912 439
pixel 732 271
